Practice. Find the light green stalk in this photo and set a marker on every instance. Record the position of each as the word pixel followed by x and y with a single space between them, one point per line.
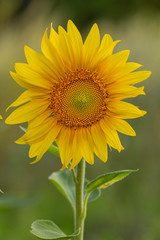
pixel 80 216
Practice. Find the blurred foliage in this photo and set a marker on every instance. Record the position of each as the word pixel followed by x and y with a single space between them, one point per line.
pixel 128 210
pixel 9 9
pixel 84 12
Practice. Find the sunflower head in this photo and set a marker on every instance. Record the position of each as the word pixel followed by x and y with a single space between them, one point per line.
pixel 74 94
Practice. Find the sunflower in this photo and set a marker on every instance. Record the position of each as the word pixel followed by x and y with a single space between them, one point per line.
pixel 74 95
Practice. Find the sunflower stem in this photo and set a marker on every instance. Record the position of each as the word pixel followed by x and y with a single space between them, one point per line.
pixel 80 217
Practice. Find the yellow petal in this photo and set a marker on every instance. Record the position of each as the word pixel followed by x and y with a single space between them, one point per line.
pixel 54 37
pixel 64 142
pixel 1 117
pixel 75 160
pixel 29 82
pixel 66 48
pixel 47 141
pixel 106 42
pixel 113 64
pixel 125 110
pixel 120 58
pixel 86 145
pixel 27 112
pixel 46 46
pixel 112 137
pixel 136 77
pixel 106 47
pixel 33 77
pixel 100 142
pixel 51 52
pixel 91 44
pixel 37 121
pixel 40 63
pixel 23 98
pixel 121 92
pixel 34 134
pixel 130 66
pixel 102 55
pixel 121 74
pixel 122 126
pixel 76 38
pixel 34 148
pixel 77 156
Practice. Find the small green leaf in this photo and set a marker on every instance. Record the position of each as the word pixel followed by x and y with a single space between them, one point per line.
pixel 54 150
pixel 1 191
pixel 108 179
pixel 94 195
pixel 63 180
pixel 46 229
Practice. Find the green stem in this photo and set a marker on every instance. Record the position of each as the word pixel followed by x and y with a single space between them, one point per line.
pixel 85 206
pixel 80 199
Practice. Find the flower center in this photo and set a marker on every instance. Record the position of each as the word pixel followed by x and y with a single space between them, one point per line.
pixel 80 100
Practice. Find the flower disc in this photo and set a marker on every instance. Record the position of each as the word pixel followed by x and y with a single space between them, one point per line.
pixel 79 101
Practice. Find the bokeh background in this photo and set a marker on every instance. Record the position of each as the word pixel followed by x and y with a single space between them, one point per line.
pixel 129 210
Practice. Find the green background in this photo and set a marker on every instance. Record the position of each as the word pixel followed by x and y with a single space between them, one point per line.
pixel 129 210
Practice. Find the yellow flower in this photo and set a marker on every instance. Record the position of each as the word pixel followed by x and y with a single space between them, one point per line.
pixel 1 117
pixel 74 95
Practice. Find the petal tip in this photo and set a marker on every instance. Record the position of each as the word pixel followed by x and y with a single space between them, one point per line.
pixel 143 112
pixel 63 167
pixel 6 121
pixel 70 22
pixel 36 160
pixel 25 48
pixel 149 73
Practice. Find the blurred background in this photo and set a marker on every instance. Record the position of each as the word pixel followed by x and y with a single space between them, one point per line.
pixel 129 210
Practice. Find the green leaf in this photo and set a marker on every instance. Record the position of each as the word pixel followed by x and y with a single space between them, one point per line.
pixel 108 179
pixel 1 191
pixel 63 180
pixel 46 229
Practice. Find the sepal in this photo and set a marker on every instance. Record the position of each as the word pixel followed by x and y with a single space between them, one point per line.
pixel 54 149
